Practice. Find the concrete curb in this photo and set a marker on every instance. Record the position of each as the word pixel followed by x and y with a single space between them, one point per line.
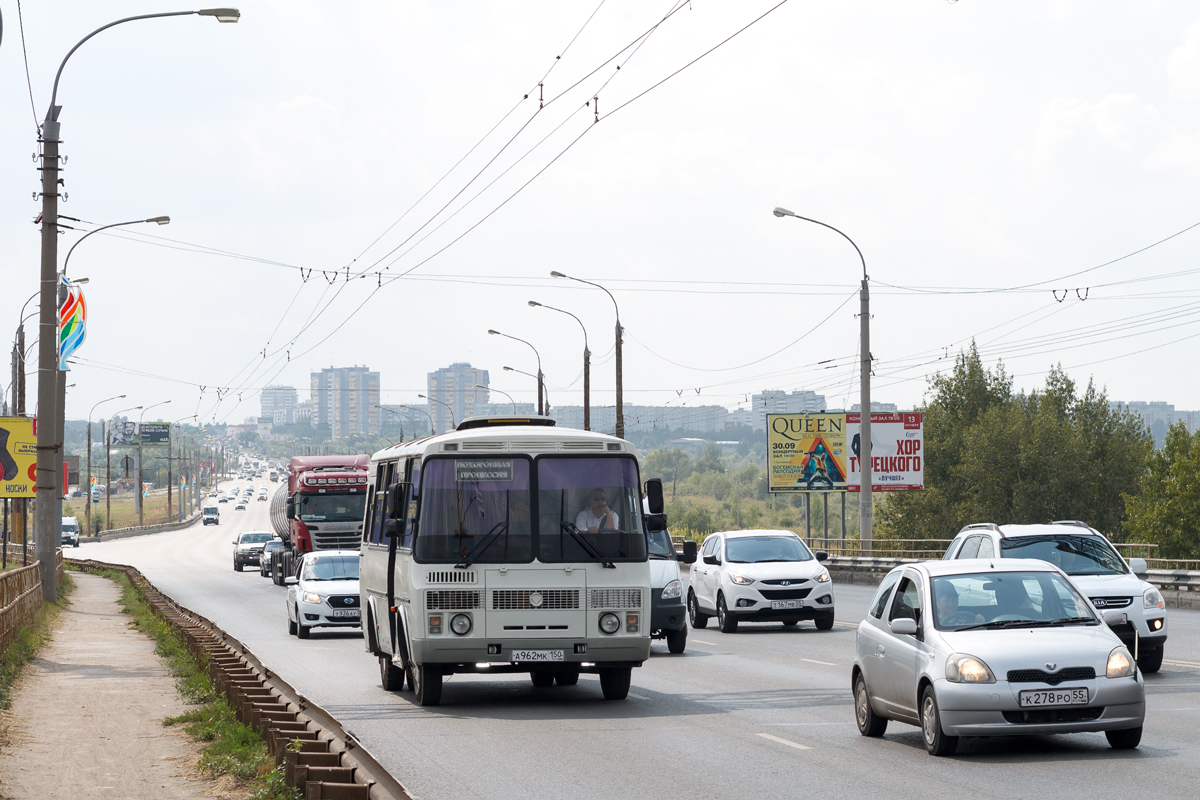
pixel 125 533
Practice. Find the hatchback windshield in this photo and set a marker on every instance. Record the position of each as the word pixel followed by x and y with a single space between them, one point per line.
pixel 1007 600
pixel 332 507
pixel 331 568
pixel 1074 555
pixel 759 549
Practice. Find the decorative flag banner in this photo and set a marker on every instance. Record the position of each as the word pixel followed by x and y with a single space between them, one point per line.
pixel 145 489
pixel 95 480
pixel 72 322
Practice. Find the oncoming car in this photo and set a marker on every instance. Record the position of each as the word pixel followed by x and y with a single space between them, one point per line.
pixel 325 595
pixel 248 547
pixel 759 576
pixel 992 648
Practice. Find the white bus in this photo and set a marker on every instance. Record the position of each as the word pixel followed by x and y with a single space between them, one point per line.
pixel 508 545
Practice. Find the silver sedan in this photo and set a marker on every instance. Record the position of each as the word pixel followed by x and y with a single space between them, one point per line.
pixel 992 648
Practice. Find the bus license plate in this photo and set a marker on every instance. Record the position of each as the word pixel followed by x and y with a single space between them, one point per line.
pixel 537 655
pixel 346 612
pixel 777 605
pixel 1054 697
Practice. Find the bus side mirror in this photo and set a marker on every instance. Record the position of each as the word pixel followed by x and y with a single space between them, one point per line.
pixel 656 523
pixel 398 496
pixel 654 496
pixel 689 552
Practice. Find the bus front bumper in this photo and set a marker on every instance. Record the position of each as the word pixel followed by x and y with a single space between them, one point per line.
pixel 497 655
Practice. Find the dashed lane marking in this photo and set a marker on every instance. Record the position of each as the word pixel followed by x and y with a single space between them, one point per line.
pixel 710 644
pixel 638 696
pixel 789 743
pixel 814 661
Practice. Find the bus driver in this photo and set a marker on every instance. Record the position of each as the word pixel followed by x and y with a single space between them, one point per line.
pixel 599 517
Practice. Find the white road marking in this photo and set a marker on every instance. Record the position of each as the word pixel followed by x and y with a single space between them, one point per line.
pixel 784 741
pixel 1173 663
pixel 800 724
pixel 710 644
pixel 814 661
pixel 638 696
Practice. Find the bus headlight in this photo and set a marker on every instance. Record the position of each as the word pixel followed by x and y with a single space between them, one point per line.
pixel 460 624
pixel 672 591
pixel 610 623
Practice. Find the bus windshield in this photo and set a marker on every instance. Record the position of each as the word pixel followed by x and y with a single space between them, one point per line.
pixel 475 510
pixel 332 507
pixel 589 509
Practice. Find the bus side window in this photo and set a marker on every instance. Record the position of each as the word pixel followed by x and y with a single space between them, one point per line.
pixel 372 518
pixel 410 524
pixel 371 531
pixel 381 509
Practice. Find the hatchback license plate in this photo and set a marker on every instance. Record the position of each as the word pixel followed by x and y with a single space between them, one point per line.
pixel 346 612
pixel 537 655
pixel 777 605
pixel 1054 697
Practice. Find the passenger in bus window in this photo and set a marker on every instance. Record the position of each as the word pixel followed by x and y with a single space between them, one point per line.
pixel 598 516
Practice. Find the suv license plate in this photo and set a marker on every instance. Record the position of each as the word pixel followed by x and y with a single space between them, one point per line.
pixel 537 655
pixel 1054 697
pixel 346 612
pixel 777 605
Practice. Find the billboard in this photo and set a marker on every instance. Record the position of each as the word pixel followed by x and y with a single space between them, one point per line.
pixel 897 452
pixel 156 433
pixel 806 452
pixel 18 456
pixel 123 432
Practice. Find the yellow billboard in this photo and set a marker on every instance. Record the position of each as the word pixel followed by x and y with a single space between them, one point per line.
pixel 18 456
pixel 806 452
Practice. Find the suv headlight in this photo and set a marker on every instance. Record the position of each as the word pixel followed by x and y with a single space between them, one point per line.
pixel 1120 663
pixel 312 597
pixel 672 590
pixel 962 668
pixel 823 577
pixel 1152 598
pixel 741 580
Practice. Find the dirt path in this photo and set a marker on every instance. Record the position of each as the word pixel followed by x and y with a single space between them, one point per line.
pixel 86 720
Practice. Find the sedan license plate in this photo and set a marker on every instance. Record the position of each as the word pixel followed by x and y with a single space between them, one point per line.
pixel 346 612
pixel 1037 698
pixel 777 605
pixel 537 655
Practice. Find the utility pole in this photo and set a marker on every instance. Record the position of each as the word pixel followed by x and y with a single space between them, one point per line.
pixel 620 425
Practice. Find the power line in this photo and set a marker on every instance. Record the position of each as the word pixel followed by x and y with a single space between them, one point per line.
pixel 25 53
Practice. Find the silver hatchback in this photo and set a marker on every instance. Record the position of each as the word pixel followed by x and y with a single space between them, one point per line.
pixel 983 647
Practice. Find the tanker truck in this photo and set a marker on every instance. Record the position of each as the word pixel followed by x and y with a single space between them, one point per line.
pixel 319 508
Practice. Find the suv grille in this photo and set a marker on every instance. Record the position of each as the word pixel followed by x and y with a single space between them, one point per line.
pixel 1111 602
pixel 790 581
pixel 343 600
pixel 785 594
pixel 615 598
pixel 451 600
pixel 1043 716
pixel 1052 678
pixel 518 599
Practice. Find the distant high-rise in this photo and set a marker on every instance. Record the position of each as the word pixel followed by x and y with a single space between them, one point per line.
pixel 455 387
pixel 344 398
pixel 279 404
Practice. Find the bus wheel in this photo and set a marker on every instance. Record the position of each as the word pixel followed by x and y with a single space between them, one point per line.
pixel 542 680
pixel 614 682
pixel 425 680
pixel 391 676
pixel 567 678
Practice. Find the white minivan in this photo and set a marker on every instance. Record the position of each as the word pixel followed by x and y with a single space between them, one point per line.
pixel 668 611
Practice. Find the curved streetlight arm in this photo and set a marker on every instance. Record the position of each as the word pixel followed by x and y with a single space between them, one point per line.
pixel 102 402
pixel 522 341
pixel 144 410
pixel 783 212
pixel 569 314
pixel 556 274
pixel 67 260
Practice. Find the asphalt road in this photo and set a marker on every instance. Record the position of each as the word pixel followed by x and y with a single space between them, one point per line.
pixel 763 713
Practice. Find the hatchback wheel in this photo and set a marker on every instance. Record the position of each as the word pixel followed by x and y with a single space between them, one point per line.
pixel 726 621
pixel 696 617
pixel 869 723
pixel 937 743
pixel 302 630
pixel 291 627
pixel 1126 739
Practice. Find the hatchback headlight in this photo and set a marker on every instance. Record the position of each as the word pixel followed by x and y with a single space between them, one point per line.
pixel 741 580
pixel 823 577
pixel 1152 598
pixel 1120 663
pixel 962 668
pixel 672 590
pixel 312 597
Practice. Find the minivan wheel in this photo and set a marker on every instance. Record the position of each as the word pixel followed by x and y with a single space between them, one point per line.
pixel 696 617
pixel 937 743
pixel 869 723
pixel 726 621
pixel 677 640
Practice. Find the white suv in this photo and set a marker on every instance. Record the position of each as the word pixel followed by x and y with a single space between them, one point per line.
pixel 759 576
pixel 1095 567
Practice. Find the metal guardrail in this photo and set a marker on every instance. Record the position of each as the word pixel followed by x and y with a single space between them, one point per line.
pixel 317 753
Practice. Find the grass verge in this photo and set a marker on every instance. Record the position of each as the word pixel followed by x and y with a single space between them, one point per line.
pixel 228 746
pixel 29 640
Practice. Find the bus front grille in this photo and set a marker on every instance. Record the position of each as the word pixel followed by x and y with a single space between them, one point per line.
pixel 451 600
pixel 615 598
pixel 450 576
pixel 519 599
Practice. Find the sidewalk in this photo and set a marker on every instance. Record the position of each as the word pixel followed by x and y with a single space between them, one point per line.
pixel 86 719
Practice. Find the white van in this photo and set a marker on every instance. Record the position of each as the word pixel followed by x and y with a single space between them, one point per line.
pixel 211 515
pixel 69 532
pixel 668 610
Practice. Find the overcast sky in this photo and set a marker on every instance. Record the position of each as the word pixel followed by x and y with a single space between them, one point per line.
pixel 976 145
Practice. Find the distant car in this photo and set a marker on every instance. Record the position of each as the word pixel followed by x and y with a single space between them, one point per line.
pixel 993 647
pixel 213 493
pixel 262 498
pixel 248 547
pixel 241 506
pixel 69 532
pixel 325 595
pixel 267 555
pixel 222 499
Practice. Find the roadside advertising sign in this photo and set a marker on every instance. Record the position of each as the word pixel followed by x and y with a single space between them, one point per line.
pixel 18 456
pixel 123 432
pixel 897 452
pixel 155 433
pixel 806 452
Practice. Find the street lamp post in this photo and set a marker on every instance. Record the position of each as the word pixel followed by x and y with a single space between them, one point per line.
pixel 397 415
pixel 423 411
pixel 864 402
pixel 540 379
pixel 108 466
pixel 88 485
pixel 49 451
pixel 620 428
pixel 453 421
pixel 138 498
pixel 506 394
pixel 587 365
pixel 527 375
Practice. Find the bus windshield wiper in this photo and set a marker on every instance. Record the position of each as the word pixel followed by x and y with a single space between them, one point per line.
pixel 587 546
pixel 465 561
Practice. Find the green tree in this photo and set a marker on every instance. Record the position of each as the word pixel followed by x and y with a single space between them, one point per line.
pixel 711 461
pixel 1166 510
pixel 670 464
